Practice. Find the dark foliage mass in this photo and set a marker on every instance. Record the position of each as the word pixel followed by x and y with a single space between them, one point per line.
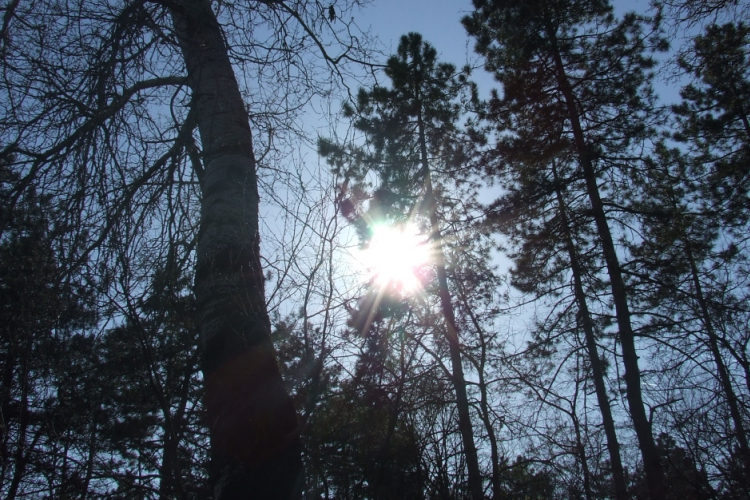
pixel 181 311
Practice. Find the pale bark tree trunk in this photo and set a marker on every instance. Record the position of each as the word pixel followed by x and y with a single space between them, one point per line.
pixel 255 443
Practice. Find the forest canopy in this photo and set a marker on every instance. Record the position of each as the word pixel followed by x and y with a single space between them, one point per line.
pixel 247 253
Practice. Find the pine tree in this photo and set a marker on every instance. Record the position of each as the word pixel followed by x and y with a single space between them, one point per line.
pixel 410 131
pixel 682 255
pixel 714 122
pixel 577 79
pixel 694 209
pixel 550 234
pixel 41 314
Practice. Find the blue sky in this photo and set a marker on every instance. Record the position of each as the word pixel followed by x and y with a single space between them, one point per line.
pixel 439 22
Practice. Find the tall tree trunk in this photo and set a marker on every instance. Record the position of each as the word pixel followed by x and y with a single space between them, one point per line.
pixel 613 446
pixel 90 459
pixel 641 423
pixel 740 357
pixel 484 404
pixel 5 409
pixel 454 348
pixel 581 451
pixel 21 456
pixel 392 418
pixel 713 343
pixel 255 444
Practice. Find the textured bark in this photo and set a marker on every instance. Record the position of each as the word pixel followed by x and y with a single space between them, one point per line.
pixel 255 444
pixel 641 424
pixel 613 446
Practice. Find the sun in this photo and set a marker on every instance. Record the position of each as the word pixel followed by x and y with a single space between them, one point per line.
pixel 396 257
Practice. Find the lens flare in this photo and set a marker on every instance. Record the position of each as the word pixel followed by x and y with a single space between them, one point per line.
pixel 396 257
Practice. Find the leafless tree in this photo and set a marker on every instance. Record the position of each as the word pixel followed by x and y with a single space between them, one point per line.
pixel 129 115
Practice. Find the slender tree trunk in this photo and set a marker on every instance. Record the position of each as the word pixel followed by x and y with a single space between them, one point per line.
pixel 487 420
pixel 726 382
pixel 483 402
pixel 740 358
pixel 641 424
pixel 392 418
pixel 581 450
pixel 5 418
pixel 22 450
pixel 613 446
pixel 454 348
pixel 169 486
pixel 90 459
pixel 255 444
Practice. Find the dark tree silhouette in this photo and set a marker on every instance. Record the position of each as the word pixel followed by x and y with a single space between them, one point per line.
pixel 577 78
pixel 100 104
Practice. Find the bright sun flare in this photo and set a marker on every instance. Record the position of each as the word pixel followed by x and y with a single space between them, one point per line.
pixel 395 256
